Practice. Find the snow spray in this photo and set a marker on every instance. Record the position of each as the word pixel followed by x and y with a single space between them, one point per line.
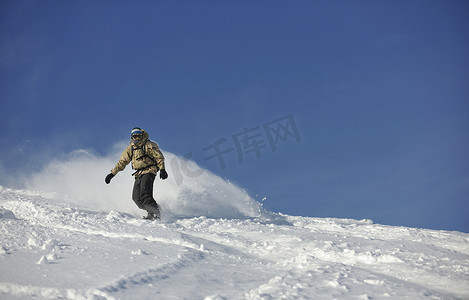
pixel 79 179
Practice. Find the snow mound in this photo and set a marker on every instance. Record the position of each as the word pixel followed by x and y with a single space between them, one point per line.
pixel 53 249
pixel 71 236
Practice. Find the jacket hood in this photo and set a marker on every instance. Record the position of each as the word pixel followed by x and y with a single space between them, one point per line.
pixel 145 136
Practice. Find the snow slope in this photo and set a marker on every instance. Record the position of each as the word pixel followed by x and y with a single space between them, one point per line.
pixel 215 242
pixel 52 250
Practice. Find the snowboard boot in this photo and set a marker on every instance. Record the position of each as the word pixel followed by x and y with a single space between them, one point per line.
pixel 153 215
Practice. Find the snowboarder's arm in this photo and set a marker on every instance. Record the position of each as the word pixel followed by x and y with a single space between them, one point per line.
pixel 157 155
pixel 124 160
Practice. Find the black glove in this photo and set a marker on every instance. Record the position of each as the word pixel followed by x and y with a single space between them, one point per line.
pixel 108 178
pixel 163 174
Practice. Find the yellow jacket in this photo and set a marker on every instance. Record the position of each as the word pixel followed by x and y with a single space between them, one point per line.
pixel 146 157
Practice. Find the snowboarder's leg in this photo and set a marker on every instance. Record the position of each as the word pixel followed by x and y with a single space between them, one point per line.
pixel 136 193
pixel 146 195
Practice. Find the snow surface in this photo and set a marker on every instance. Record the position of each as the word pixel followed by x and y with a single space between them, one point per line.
pixel 69 236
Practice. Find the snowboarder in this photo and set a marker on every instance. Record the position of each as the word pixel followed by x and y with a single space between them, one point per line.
pixel 147 160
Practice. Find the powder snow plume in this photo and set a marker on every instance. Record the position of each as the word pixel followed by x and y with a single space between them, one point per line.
pixel 79 179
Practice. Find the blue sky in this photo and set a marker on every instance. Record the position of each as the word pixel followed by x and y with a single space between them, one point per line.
pixel 378 91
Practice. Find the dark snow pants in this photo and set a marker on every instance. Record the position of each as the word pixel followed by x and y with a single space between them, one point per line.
pixel 143 193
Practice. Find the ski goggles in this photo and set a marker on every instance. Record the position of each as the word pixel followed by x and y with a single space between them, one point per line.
pixel 136 134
